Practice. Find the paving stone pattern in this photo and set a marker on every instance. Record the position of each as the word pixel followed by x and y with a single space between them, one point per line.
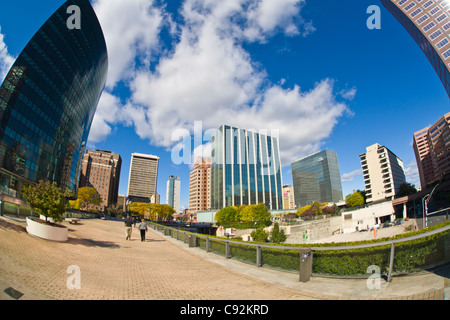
pixel 160 268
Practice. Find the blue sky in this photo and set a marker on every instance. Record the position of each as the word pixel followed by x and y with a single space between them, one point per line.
pixel 309 70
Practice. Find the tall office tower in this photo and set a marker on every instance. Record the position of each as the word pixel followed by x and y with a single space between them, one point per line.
pixel 122 203
pixel 173 193
pixel 428 22
pixel 288 197
pixel 245 169
pixel 143 178
pixel 432 150
pixel 200 186
pixel 48 100
pixel 423 157
pixel 383 173
pixel 100 169
pixel 317 178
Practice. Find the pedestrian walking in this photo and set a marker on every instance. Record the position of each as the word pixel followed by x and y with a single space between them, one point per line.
pixel 143 229
pixel 128 227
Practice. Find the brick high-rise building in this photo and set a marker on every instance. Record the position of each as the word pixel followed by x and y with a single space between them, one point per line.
pixel 100 169
pixel 432 150
pixel 200 186
pixel 428 23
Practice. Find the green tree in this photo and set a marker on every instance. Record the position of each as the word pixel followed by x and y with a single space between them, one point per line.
pixel 227 214
pixel 75 204
pixel 355 199
pixel 88 195
pixel 247 214
pixel 316 208
pixel 260 235
pixel 261 212
pixel 153 211
pixel 406 189
pixel 139 208
pixel 46 199
pixel 165 211
pixel 277 234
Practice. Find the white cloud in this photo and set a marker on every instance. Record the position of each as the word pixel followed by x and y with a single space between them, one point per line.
pixel 348 94
pixel 266 16
pixel 349 177
pixel 209 76
pixel 412 174
pixel 6 60
pixel 108 110
pixel 131 29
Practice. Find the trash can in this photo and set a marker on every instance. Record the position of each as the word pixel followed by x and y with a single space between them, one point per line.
pixel 191 241
pixel 305 264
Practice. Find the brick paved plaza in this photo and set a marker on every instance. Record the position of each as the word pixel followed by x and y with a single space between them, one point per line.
pixel 161 268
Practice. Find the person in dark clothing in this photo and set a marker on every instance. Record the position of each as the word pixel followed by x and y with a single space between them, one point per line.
pixel 128 227
pixel 143 229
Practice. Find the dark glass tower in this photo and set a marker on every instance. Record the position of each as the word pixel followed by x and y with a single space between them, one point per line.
pixel 245 169
pixel 317 178
pixel 48 100
pixel 428 23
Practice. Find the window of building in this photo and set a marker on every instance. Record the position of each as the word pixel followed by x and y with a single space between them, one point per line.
pixel 415 12
pixel 429 26
pixel 435 34
pixel 435 10
pixel 427 4
pixel 446 54
pixel 422 19
pixel 409 6
pixel 442 43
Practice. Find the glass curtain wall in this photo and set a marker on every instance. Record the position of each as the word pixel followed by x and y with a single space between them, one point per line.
pixel 245 169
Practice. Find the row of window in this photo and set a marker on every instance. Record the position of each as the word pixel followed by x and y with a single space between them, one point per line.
pixel 441 18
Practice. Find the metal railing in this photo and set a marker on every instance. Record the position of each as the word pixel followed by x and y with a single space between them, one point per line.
pixel 258 246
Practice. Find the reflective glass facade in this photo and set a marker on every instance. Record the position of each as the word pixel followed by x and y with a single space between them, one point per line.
pixel 245 169
pixel 48 101
pixel 173 193
pixel 317 178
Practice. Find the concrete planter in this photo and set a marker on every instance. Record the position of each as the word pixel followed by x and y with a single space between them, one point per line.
pixel 41 229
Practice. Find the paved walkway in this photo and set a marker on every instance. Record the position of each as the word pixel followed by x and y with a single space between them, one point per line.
pixel 162 268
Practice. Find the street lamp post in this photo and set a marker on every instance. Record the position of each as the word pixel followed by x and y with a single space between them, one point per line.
pixel 425 201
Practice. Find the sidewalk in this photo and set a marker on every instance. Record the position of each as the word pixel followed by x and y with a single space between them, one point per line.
pixel 162 268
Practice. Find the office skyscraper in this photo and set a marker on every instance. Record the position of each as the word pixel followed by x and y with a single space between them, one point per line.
pixel 48 100
pixel 100 169
pixel 143 178
pixel 245 169
pixel 432 150
pixel 428 22
pixel 383 173
pixel 317 178
pixel 173 193
pixel 288 197
pixel 200 186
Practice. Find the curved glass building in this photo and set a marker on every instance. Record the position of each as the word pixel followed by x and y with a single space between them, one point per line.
pixel 48 100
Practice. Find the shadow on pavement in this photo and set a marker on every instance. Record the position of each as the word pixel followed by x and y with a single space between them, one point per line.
pixel 93 243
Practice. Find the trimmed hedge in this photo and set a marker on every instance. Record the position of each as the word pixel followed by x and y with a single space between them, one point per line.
pixel 408 255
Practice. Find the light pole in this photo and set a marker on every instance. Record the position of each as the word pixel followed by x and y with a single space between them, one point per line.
pixel 425 206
